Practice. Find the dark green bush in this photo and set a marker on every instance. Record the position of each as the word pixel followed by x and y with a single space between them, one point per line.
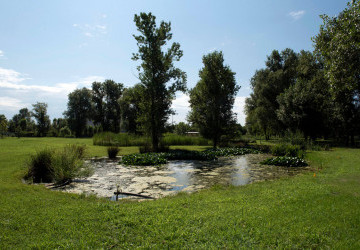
pixel 112 152
pixel 147 159
pixel 232 151
pixel 287 150
pixel 285 161
pixel 40 166
pixel 58 166
pixel 68 163
pixel 123 139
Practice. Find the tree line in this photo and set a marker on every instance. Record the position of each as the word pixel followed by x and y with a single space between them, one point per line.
pixel 316 93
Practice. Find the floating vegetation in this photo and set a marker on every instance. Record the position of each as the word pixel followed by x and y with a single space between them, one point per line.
pixel 149 159
pixel 285 161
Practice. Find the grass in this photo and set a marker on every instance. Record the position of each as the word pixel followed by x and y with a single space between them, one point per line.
pixel 297 212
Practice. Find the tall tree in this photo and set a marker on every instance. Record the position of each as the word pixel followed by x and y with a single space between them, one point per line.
pixel 305 106
pixel 42 119
pixel 280 73
pixel 338 43
pixel 155 73
pixel 3 125
pixel 107 111
pixel 212 99
pixel 78 110
pixel 129 105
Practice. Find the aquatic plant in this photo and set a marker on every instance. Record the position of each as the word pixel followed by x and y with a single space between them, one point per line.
pixel 285 161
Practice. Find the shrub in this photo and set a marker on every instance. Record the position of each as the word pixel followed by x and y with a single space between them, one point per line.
pixel 146 159
pixel 287 150
pixel 59 166
pixel 68 163
pixel 232 151
pixel 40 166
pixel 112 152
pixel 285 161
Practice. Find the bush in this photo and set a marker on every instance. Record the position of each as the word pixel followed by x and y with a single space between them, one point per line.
pixel 68 163
pixel 147 159
pixel 287 150
pixel 40 166
pixel 123 139
pixel 285 161
pixel 112 152
pixel 59 166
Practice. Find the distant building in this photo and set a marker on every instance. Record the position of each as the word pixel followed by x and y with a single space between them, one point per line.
pixel 193 134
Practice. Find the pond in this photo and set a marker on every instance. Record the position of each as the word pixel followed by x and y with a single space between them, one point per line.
pixel 167 179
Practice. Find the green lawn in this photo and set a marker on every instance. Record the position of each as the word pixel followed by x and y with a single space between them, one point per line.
pixel 297 212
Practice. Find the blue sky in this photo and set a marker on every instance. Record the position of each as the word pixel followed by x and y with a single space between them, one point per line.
pixel 50 48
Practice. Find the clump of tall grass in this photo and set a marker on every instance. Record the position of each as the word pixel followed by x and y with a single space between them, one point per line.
pixel 58 166
pixel 40 166
pixel 289 150
pixel 124 140
pixel 112 152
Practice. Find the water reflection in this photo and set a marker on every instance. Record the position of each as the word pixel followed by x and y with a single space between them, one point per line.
pixel 188 176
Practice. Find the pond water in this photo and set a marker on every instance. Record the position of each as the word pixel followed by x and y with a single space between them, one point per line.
pixel 167 179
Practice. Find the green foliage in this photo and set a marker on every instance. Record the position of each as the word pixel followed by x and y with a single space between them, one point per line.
pixel 42 119
pixel 338 43
pixel 146 159
pixel 285 161
pixel 68 163
pixel 306 105
pixel 40 167
pixel 287 150
pixel 124 139
pixel 3 125
pixel 267 84
pixel 130 107
pixel 59 166
pixel 65 132
pixel 106 108
pixel 181 128
pixel 212 99
pixel 155 73
pixel 79 110
pixel 173 139
pixel 232 151
pixel 121 139
pixel 112 152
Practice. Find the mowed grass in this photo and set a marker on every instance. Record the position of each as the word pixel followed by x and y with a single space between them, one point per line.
pixel 305 211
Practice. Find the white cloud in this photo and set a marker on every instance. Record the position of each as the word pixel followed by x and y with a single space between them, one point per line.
pixel 181 106
pixel 13 104
pixel 89 30
pixel 239 105
pixel 11 79
pixel 296 15
pixel 1 53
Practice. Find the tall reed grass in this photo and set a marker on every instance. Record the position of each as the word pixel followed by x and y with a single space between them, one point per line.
pixel 124 140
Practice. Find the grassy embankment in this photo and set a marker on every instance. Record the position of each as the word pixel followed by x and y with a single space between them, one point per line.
pixel 297 212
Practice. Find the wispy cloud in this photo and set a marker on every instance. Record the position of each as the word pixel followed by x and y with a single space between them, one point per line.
pixel 16 92
pixel 88 30
pixel 181 106
pixel 296 15
pixel 1 53
pixel 12 79
pixel 13 104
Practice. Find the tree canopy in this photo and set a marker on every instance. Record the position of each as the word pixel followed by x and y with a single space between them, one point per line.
pixel 158 75
pixel 212 99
